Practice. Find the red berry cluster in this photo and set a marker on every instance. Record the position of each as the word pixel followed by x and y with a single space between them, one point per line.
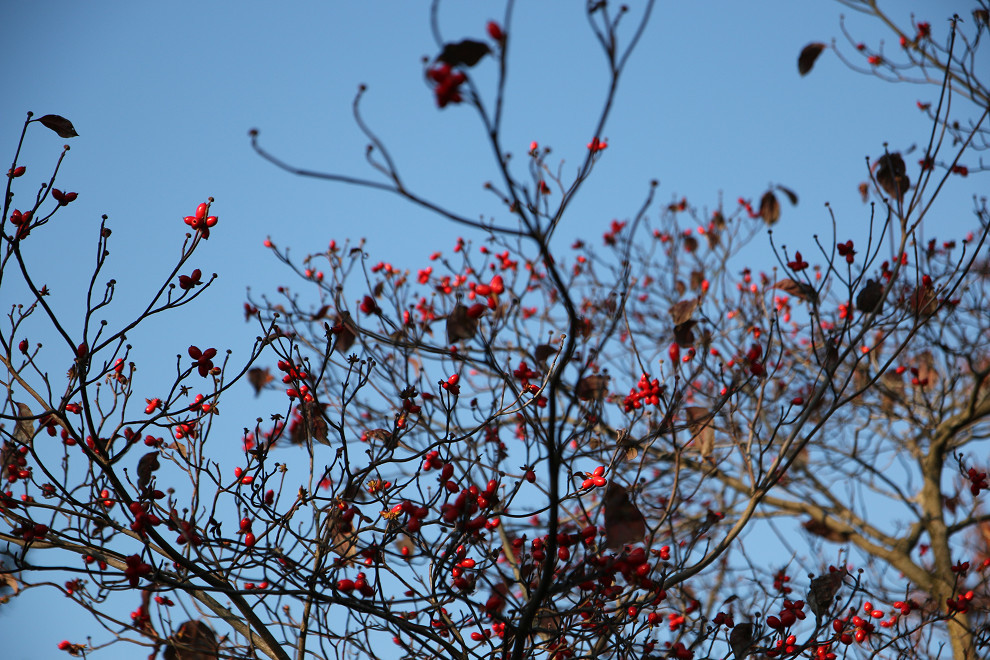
pixel 200 222
pixel 647 392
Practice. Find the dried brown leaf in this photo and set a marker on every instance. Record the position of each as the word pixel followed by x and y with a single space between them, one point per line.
pixel 800 290
pixel 24 429
pixel 684 334
pixel 822 529
pixel 864 191
pixel 193 641
pixel 592 387
pixel 258 378
pixel 702 431
pixel 810 53
pixel 463 53
pixel 146 468
pixel 741 639
pixel 460 325
pixel 892 175
pixel 869 297
pixel 343 330
pixel 682 310
pixel 62 126
pixel 543 352
pixel 769 208
pixel 791 195
pixel 624 523
pixel 823 589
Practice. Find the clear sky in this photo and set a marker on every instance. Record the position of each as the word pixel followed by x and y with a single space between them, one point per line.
pixel 163 94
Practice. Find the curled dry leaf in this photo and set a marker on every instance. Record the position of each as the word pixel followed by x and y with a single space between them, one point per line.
pixel 923 302
pixel 702 432
pixel 682 310
pixel 464 53
pixel 800 290
pixel 543 352
pixel 741 639
pixel 810 53
pixel 592 387
pixel 343 330
pixel 62 126
pixel 460 325
pixel 258 378
pixel 146 468
pixel 193 641
pixel 924 362
pixel 24 429
pixel 870 297
pixel 864 191
pixel 892 175
pixel 822 529
pixel 624 523
pixel 7 579
pixel 343 538
pixel 791 195
pixel 823 589
pixel 312 426
pixel 684 334
pixel 769 208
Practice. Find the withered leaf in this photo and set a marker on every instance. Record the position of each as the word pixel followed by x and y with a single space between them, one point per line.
pixel 8 579
pixel 823 589
pixel 467 52
pixel 624 523
pixel 258 378
pixel 592 387
pixel 769 208
pixel 584 327
pixel 924 362
pixel 343 330
pixel 193 641
pixel 864 191
pixel 800 290
pixel 24 429
pixel 384 436
pixel 791 195
pixel 741 640
pixel 321 312
pixel 923 302
pixel 869 298
pixel 702 432
pixel 682 310
pixel 697 276
pixel 460 325
pixel 543 352
pixel 146 467
pixel 690 244
pixel 548 622
pixel 343 537
pixel 810 53
pixel 684 334
pixel 8 455
pixel 892 175
pixel 62 126
pixel 824 530
pixel 181 448
pixel 312 424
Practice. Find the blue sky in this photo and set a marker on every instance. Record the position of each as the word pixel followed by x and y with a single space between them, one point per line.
pixel 163 95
